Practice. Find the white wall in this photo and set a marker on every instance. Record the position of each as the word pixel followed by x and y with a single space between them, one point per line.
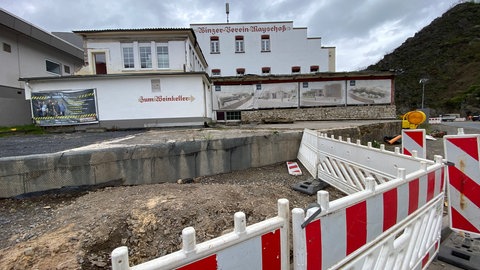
pixel 289 47
pixel 120 98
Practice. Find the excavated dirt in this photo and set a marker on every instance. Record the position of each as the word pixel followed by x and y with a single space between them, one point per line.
pixel 78 229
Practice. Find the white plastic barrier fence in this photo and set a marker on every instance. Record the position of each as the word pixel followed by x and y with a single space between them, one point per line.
pixel 414 143
pixel 463 182
pixel 351 230
pixel 308 151
pixel 435 120
pixel 263 245
pixel 346 165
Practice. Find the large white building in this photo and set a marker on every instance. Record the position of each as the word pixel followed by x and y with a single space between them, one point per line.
pixel 133 78
pixel 262 48
pixel 28 51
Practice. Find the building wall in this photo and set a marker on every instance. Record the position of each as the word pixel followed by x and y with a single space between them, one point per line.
pixel 181 100
pixel 289 46
pixel 27 58
pixel 180 58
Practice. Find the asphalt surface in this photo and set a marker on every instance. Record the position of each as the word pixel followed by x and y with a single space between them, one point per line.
pixel 22 145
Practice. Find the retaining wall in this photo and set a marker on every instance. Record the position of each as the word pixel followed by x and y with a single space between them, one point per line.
pixel 323 113
pixel 163 162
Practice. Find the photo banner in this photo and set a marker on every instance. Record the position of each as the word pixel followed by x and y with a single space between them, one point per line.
pixel 64 107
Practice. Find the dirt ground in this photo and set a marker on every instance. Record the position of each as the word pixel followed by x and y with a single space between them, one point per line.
pixel 78 229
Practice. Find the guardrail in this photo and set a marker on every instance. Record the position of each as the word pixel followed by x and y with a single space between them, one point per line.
pixel 351 230
pixel 263 245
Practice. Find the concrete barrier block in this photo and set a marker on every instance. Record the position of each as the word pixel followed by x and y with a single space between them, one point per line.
pixel 211 162
pixel 172 168
pixel 11 186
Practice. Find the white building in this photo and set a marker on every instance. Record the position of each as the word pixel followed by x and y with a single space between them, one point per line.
pixel 262 48
pixel 28 51
pixel 132 78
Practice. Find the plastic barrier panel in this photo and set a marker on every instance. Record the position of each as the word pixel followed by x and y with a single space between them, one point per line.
pixel 346 165
pixel 308 151
pixel 263 245
pixel 414 142
pixel 355 225
pixel 463 182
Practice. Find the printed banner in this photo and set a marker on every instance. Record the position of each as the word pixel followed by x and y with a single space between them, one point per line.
pixel 64 107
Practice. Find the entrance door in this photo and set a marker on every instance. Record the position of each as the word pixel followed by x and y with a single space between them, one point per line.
pixel 100 63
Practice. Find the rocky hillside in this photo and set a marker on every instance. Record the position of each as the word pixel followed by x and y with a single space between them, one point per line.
pixel 447 53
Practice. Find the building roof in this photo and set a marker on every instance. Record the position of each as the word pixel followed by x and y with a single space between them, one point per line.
pixel 18 25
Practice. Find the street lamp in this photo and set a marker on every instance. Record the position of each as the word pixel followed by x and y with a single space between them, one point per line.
pixel 423 81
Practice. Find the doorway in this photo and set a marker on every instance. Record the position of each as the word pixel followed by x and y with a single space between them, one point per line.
pixel 100 63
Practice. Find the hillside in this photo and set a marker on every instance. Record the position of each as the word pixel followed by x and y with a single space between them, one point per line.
pixel 447 53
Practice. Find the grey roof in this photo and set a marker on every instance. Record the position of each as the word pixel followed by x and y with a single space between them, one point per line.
pixel 17 24
pixel 70 37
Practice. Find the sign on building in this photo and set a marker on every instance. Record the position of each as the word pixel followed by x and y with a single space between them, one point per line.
pixel 64 107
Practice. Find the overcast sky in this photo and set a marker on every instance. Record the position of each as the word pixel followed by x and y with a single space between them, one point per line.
pixel 363 31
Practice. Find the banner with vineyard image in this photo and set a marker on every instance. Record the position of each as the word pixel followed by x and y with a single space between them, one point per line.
pixel 64 107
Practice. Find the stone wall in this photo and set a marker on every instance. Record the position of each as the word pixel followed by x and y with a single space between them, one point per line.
pixel 322 113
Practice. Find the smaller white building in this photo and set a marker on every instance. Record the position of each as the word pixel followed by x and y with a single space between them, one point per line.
pixel 133 78
pixel 262 48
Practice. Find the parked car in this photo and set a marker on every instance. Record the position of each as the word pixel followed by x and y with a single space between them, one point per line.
pixel 450 117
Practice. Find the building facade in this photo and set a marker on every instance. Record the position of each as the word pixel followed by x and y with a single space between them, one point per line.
pixel 28 51
pixel 262 48
pixel 133 78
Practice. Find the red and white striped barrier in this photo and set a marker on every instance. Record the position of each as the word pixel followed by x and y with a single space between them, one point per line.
pixel 435 120
pixel 414 143
pixel 463 182
pixel 293 168
pixel 354 224
pixel 263 245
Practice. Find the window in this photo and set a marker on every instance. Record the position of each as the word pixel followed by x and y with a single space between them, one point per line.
pixel 305 84
pixel 314 68
pixel 216 72
pixel 295 69
pixel 234 115
pixel 66 69
pixel 162 56
pixel 239 44
pixel 145 55
pixel 214 44
pixel 218 88
pixel 265 43
pixel 265 70
pixel 352 83
pixel 240 71
pixel 128 58
pixel 53 67
pixel 258 87
pixel 7 47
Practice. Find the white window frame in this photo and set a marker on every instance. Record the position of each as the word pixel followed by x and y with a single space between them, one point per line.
pixel 165 62
pixel 215 45
pixel 239 44
pixel 265 44
pixel 147 56
pixel 132 51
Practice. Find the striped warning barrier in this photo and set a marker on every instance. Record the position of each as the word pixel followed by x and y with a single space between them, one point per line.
pixel 293 168
pixel 463 182
pixel 354 224
pixel 263 245
pixel 414 142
